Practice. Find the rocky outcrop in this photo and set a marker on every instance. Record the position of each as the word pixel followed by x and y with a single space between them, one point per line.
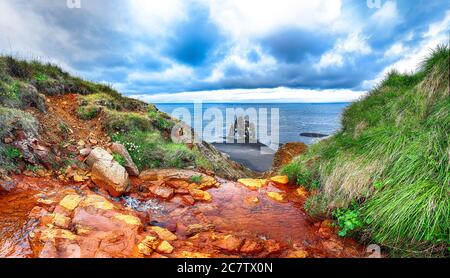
pixel 107 173
pixel 223 166
pixel 129 164
pixel 287 152
pixel 174 183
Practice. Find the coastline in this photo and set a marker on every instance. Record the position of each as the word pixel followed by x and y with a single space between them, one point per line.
pixel 249 155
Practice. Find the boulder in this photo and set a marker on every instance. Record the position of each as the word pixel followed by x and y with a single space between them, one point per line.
pixel 96 155
pixel 129 164
pixel 107 173
pixel 111 176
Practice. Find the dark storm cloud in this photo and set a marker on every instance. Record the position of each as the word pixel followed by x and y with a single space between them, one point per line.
pixel 101 41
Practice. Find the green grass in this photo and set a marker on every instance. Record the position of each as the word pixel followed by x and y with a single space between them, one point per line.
pixel 149 149
pixel 119 159
pixel 88 112
pixel 410 215
pixel 160 121
pixel 316 206
pixel 40 77
pixel 196 179
pixel 13 153
pixel 392 157
pixel 349 220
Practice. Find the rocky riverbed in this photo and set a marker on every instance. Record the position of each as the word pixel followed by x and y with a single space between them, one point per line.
pixel 164 215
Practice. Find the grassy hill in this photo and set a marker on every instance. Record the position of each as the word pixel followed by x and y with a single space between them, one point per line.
pixel 385 176
pixel 28 86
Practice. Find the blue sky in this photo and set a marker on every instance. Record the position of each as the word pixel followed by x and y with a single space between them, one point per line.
pixel 176 50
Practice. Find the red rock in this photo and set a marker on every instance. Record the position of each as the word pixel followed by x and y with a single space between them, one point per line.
pixel 229 243
pixel 333 246
pixel 272 246
pixel 287 153
pixel 161 191
pixel 325 232
pixel 188 200
pixel 182 191
pixel 251 247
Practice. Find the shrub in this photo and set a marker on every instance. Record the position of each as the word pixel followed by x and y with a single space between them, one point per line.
pixel 196 179
pixel 160 121
pixel 88 112
pixel 126 122
pixel 14 119
pixel 299 174
pixel 40 77
pixel 13 153
pixel 348 219
pixel 316 206
pixel 149 150
pixel 18 68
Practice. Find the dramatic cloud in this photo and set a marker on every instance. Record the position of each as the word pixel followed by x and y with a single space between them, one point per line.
pixel 161 48
pixel 258 95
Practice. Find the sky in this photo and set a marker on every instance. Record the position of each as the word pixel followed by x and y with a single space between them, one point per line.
pixel 228 50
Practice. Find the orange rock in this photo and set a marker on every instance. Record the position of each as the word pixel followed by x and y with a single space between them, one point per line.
pixel 164 233
pixel 272 246
pixel 287 152
pixel 70 202
pixel 253 184
pixel 302 192
pixel 148 245
pixel 252 200
pixel 163 192
pixel 251 247
pixel 128 219
pixel 298 254
pixel 194 255
pixel 280 179
pixel 279 197
pixel 200 195
pixel 229 243
pixel 165 248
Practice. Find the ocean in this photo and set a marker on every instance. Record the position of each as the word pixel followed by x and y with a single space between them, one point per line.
pixel 294 118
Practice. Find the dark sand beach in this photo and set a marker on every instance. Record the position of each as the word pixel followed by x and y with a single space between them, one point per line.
pixel 255 156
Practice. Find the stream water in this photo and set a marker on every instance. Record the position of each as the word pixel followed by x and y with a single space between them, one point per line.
pixel 232 210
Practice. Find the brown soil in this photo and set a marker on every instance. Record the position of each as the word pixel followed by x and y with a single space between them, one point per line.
pixel 63 110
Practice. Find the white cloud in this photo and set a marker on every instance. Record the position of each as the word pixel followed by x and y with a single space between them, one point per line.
pixel 155 17
pixel 354 43
pixel 410 60
pixel 258 95
pixel 258 17
pixel 395 50
pixel 330 59
pixel 439 27
pixel 387 15
pixel 172 74
pixel 238 57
